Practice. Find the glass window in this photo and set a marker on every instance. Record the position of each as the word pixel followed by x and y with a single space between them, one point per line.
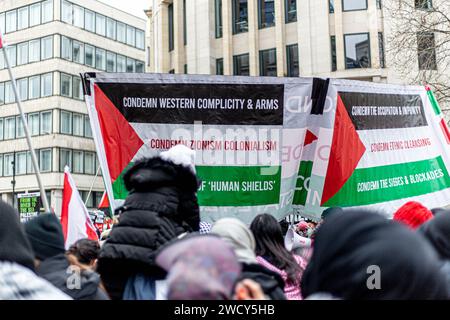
pixel 87 127
pixel 2 22
pixel 66 12
pixel 140 67
pixel 65 159
pixel 89 20
pixel 77 88
pixel 426 48
pixel 268 62
pixel 66 51
pixel 2 93
pixel 78 16
pixel 111 28
pixel 1 129
pixel 130 65
pixel 1 165
pixel 140 39
pixel 45 160
pixel 424 4
pixel 2 61
pixel 34 87
pixel 20 132
pixel 7 165
pixel 78 120
pixel 171 28
pixel 291 10
pixel 131 35
pixel 22 18
pixel 78 158
pixel 219 66
pixel 110 62
pixel 89 163
pixel 21 162
pixel 22 53
pixel 333 53
pixel 381 50
pixel 100 59
pixel 379 4
pixel 30 168
pixel 35 14
pixel 240 16
pixel 121 63
pixel 66 122
pixel 241 65
pixel 12 55
pixel 9 93
pixel 46 122
pixel 47 11
pixel 33 123
pixel 11 21
pixel 47 48
pixel 350 5
pixel 89 55
pixel 292 61
pixel 47 84
pixel 121 32
pixel 78 52
pixel 331 3
pixel 357 51
pixel 218 16
pixel 100 24
pixel 22 86
pixel 34 50
pixel 266 16
pixel 10 128
pixel 66 85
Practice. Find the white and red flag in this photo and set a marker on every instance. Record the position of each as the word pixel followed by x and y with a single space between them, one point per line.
pixel 75 219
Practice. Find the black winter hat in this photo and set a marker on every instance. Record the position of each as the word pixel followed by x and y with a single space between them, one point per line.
pixel 14 245
pixel 46 236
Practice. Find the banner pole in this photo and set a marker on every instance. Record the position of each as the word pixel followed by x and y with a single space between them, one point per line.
pixel 92 185
pixel 25 128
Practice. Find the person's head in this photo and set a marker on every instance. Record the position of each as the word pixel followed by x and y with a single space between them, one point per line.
pixel 85 251
pixel 46 236
pixel 270 244
pixel 437 232
pixel 14 245
pixel 239 236
pixel 200 267
pixel 374 258
pixel 413 214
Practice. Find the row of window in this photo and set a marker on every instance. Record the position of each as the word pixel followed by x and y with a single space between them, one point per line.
pixel 19 163
pixel 33 87
pixel 39 123
pixel 355 5
pixel 28 52
pixel 27 16
pixel 102 25
pixel 98 58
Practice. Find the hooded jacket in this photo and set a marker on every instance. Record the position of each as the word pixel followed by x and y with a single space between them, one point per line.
pixel 161 205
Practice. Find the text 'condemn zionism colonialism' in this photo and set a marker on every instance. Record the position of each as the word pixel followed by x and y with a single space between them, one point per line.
pixel 200 103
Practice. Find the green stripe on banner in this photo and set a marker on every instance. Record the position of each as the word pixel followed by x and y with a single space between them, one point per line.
pixel 434 103
pixel 301 188
pixel 119 190
pixel 238 186
pixel 386 183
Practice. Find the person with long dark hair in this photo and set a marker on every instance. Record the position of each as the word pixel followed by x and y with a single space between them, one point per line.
pixel 272 254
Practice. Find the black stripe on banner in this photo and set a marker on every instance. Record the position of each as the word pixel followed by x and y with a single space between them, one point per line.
pixel 319 95
pixel 228 104
pixel 370 111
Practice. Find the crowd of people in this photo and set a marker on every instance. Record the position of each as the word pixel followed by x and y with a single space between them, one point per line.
pixel 160 250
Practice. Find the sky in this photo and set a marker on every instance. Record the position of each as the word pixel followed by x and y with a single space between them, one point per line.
pixel 134 7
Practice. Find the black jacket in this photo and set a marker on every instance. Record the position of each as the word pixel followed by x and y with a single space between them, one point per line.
pixel 161 205
pixel 83 285
pixel 271 282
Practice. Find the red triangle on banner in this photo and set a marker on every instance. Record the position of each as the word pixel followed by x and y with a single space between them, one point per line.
pixel 119 138
pixel 104 202
pixel 309 138
pixel 346 151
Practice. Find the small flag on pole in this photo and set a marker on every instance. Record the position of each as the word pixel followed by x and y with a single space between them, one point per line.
pixel 75 219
